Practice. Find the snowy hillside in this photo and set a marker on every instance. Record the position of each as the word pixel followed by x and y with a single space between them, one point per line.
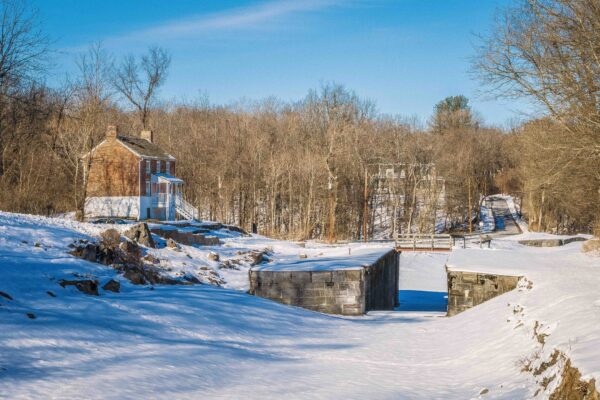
pixel 203 341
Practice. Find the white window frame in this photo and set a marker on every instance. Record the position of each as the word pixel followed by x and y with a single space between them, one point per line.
pixel 158 166
pixel 148 167
pixel 168 167
pixel 148 188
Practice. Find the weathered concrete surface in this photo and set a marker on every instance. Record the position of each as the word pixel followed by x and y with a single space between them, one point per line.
pixel 468 289
pixel 551 242
pixel 344 291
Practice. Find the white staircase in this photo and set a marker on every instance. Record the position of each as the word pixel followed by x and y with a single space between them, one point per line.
pixel 185 209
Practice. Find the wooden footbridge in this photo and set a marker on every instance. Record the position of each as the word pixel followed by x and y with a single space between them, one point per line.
pixel 440 242
pixel 423 242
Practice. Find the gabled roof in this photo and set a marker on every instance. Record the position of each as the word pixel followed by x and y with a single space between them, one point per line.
pixel 143 147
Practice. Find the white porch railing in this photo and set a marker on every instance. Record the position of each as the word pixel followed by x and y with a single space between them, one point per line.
pixel 160 199
pixel 185 209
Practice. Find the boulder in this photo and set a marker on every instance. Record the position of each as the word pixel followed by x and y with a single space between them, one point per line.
pixel 110 239
pixel 192 279
pixel 87 286
pixel 130 249
pixel 108 256
pixel 151 259
pixel 212 256
pixel 112 286
pixel 90 252
pixel 134 276
pixel 172 244
pixel 87 252
pixel 142 275
pixel 258 257
pixel 140 233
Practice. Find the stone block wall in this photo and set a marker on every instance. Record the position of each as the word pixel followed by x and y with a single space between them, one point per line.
pixel 468 289
pixel 342 291
pixel 551 242
pixel 187 238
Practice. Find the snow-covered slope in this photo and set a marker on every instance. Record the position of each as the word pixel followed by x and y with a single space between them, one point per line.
pixel 201 341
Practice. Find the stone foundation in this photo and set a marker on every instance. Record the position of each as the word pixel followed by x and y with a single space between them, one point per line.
pixel 551 242
pixel 468 289
pixel 187 238
pixel 347 291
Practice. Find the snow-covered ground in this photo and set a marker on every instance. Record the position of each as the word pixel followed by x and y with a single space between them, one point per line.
pixel 202 341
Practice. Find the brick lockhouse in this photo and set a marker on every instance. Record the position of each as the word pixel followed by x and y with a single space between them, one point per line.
pixel 132 177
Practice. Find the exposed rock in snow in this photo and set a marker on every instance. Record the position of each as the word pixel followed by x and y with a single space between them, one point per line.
pixel 112 286
pixel 87 286
pixel 140 233
pixel 172 244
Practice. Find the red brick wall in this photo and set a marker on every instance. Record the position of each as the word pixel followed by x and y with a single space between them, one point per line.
pixel 153 164
pixel 114 171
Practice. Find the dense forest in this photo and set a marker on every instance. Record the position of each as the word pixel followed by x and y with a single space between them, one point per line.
pixel 299 169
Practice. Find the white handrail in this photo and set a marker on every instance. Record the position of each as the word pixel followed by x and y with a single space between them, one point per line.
pixel 184 208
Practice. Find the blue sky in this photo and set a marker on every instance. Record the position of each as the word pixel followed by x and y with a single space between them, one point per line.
pixel 403 54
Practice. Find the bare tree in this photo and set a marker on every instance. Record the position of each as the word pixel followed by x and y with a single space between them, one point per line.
pixel 22 55
pixel 92 100
pixel 549 51
pixel 23 47
pixel 138 80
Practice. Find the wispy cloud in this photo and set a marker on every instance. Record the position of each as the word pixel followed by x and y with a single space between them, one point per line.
pixel 265 14
pixel 256 16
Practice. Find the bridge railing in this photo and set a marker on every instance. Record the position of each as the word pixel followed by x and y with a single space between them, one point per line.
pixel 471 240
pixel 423 242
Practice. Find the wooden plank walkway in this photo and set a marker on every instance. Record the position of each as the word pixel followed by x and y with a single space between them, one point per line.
pixel 423 242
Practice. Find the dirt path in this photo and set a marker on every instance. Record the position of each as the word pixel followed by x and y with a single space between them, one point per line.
pixel 500 209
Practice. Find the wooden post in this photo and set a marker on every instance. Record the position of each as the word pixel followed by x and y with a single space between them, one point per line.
pixel 366 205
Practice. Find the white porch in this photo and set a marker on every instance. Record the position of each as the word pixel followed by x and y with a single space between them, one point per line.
pixel 166 199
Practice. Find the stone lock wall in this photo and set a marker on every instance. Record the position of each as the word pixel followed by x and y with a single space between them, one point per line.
pixel 551 242
pixel 468 289
pixel 342 291
pixel 382 282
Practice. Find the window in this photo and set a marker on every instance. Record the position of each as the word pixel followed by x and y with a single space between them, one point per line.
pixel 148 167
pixel 148 188
pixel 168 167
pixel 158 166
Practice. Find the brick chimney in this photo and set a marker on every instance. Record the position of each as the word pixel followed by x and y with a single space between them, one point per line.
pixel 111 132
pixel 148 135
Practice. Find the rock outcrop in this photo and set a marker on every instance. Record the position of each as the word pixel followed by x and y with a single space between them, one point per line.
pixel 112 286
pixel 87 286
pixel 140 233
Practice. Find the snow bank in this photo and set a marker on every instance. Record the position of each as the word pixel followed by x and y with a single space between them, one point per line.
pixel 351 257
pixel 206 342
